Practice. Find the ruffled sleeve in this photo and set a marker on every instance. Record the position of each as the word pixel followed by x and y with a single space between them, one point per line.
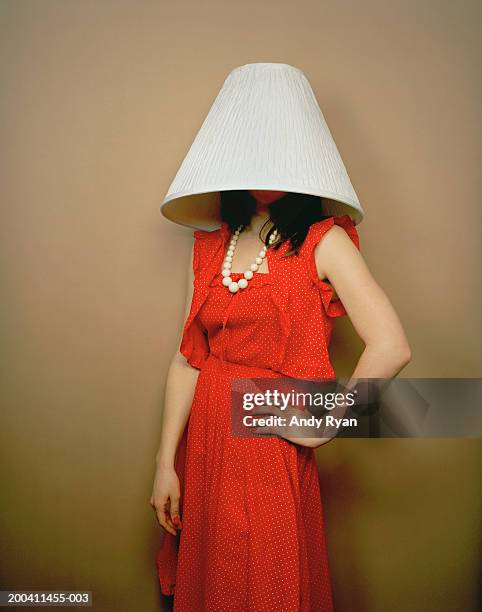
pixel 194 342
pixel 332 306
pixel 200 237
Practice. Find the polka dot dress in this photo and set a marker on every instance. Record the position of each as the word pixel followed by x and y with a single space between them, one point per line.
pixel 253 536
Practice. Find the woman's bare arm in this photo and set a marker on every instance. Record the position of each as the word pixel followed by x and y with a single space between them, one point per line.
pixel 179 392
pixel 373 316
pixel 387 351
pixel 180 385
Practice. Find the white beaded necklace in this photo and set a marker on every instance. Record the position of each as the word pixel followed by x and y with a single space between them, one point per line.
pixel 242 283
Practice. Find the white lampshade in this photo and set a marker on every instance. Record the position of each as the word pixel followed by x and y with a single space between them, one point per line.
pixel 265 130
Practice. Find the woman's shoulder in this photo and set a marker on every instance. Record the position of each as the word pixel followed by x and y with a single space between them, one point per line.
pixel 200 234
pixel 215 234
pixel 332 306
pixel 205 246
pixel 318 229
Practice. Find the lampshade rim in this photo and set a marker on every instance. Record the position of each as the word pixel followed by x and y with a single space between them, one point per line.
pixel 169 199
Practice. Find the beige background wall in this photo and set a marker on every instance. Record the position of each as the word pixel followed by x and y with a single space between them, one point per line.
pixel 100 101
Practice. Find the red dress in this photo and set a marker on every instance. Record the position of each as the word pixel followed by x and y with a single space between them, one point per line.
pixel 252 536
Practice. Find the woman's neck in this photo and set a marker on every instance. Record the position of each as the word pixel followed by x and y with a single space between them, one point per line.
pixel 258 219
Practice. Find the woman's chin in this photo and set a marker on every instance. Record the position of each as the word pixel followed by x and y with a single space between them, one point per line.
pixel 266 197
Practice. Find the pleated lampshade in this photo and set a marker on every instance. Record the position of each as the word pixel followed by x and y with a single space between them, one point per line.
pixel 265 130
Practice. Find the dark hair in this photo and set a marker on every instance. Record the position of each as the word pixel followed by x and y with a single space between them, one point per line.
pixel 292 215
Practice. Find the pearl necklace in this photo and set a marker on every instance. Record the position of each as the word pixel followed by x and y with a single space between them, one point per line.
pixel 242 283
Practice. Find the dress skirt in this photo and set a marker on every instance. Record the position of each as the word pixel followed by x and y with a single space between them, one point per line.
pixel 253 533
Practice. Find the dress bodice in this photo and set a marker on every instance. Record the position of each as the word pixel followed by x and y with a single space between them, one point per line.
pixel 281 321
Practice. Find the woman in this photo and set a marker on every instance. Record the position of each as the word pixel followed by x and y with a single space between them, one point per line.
pixel 243 516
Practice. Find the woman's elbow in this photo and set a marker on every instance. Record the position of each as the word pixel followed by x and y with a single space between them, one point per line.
pixel 407 355
pixel 400 353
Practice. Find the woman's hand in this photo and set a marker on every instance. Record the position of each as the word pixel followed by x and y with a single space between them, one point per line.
pixel 311 436
pixel 165 497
